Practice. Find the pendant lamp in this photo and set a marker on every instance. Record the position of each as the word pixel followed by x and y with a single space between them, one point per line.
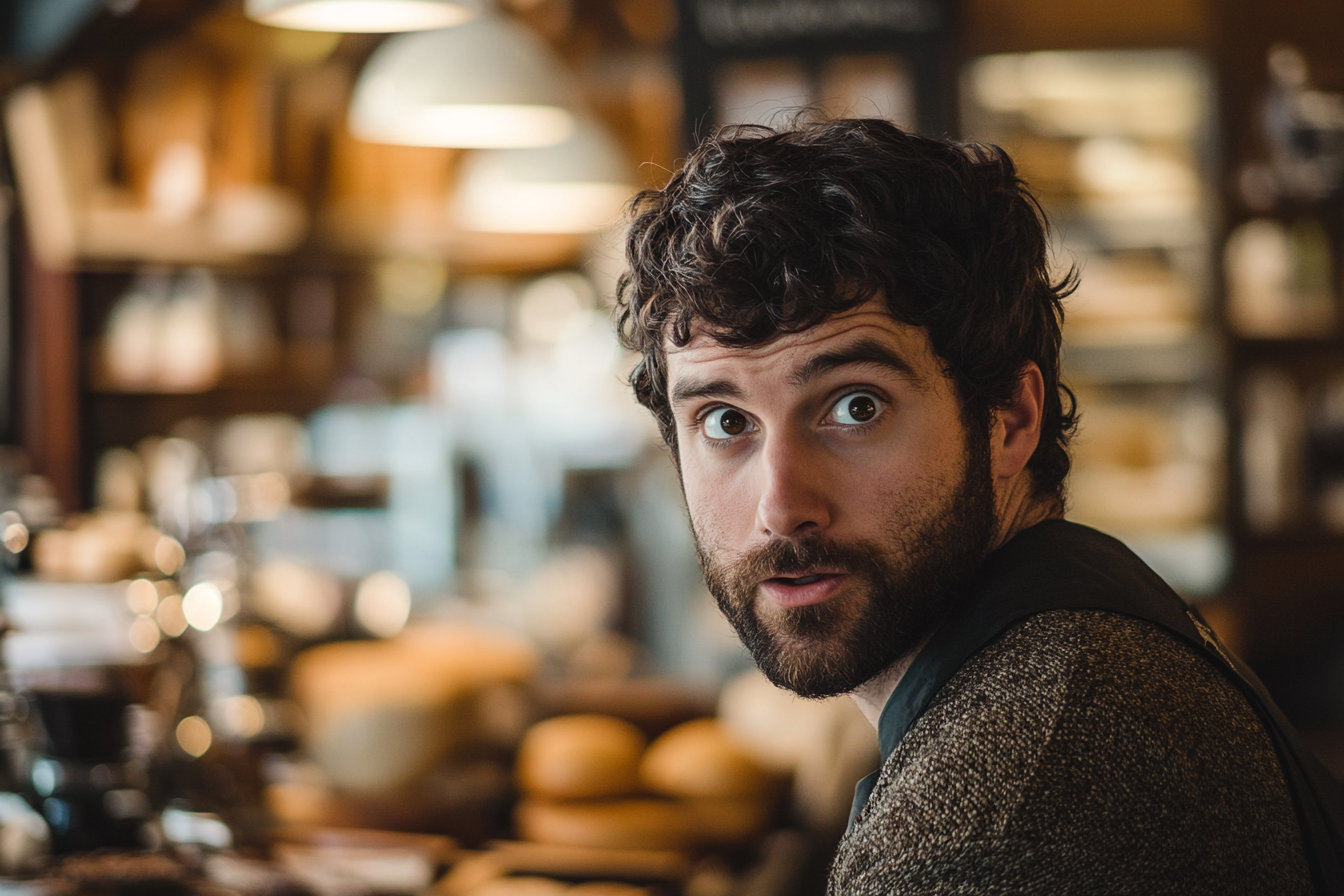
pixel 362 15
pixel 578 186
pixel 489 83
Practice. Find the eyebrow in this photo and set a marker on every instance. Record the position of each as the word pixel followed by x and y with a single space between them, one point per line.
pixel 866 352
pixel 693 388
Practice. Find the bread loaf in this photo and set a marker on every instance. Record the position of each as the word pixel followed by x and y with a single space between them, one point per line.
pixel 607 824
pixel 701 760
pixel 520 886
pixel 580 757
pixel 607 888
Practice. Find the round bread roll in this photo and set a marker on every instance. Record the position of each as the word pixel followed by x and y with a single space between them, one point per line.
pixel 580 757
pixel 606 824
pixel 700 759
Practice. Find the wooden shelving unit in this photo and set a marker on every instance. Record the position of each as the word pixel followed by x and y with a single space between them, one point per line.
pixel 1287 584
pixel 1285 591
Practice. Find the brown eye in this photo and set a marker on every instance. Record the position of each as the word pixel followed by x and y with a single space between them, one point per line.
pixel 855 408
pixel 724 423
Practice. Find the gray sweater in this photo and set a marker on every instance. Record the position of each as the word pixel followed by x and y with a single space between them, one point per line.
pixel 1082 752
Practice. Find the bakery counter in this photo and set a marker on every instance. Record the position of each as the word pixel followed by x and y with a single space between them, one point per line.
pixel 454 757
pixel 349 862
pixel 605 788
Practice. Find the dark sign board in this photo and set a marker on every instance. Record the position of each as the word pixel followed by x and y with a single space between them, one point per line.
pixel 752 23
pixel 810 37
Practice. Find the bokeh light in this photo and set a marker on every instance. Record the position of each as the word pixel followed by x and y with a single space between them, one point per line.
pixel 203 605
pixel 13 532
pixel 383 603
pixel 242 716
pixel 169 555
pixel 170 616
pixel 145 634
pixel 142 597
pixel 194 736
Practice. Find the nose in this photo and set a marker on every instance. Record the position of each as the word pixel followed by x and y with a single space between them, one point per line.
pixel 794 498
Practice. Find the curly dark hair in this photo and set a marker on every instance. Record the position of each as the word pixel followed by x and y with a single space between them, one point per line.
pixel 766 231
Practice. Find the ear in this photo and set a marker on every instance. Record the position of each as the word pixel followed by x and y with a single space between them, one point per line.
pixel 1017 427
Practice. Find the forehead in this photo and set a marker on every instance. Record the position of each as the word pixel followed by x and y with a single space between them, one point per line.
pixel 866 322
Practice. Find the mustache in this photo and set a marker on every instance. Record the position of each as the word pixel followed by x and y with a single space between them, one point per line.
pixel 741 573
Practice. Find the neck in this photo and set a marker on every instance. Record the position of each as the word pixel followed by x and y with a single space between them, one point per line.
pixel 871 696
pixel 1019 510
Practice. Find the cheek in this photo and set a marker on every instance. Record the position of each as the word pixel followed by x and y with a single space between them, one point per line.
pixel 915 468
pixel 717 504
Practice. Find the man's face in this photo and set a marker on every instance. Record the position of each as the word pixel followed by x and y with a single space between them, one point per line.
pixel 836 497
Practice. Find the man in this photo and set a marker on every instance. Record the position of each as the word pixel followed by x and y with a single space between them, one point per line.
pixel 850 340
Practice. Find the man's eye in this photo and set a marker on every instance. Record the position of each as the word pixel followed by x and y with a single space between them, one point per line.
pixel 724 423
pixel 856 408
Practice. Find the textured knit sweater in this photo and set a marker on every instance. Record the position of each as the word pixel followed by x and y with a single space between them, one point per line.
pixel 1081 752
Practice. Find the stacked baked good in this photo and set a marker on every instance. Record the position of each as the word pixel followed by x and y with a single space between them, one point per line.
pixel 593 781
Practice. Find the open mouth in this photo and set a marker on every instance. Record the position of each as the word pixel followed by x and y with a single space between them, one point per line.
pixel 799 591
pixel 801 580
pixel 802 589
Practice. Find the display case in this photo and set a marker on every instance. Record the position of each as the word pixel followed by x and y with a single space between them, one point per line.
pixel 1118 148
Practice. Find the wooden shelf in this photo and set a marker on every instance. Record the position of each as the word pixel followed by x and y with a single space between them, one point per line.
pixel 1265 345
pixel 1191 360
pixel 299 369
pixel 270 383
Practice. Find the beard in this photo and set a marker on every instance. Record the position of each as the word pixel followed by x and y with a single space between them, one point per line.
pixel 899 588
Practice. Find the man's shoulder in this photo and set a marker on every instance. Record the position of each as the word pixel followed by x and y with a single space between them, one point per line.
pixel 1082 644
pixel 1082 743
pixel 1087 689
pixel 1083 679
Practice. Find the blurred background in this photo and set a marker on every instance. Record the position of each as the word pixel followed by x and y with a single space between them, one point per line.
pixel 337 557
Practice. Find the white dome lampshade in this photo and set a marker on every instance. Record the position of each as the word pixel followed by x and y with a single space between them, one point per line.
pixel 486 84
pixel 578 186
pixel 362 16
